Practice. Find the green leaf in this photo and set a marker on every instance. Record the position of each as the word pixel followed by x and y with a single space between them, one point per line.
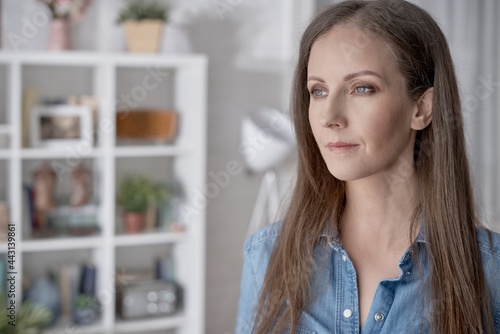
pixel 137 193
pixel 84 301
pixel 30 318
pixel 140 10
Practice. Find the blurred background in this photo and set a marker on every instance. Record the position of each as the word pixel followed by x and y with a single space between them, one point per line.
pixel 142 141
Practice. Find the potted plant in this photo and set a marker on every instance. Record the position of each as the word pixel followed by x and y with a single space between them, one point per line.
pixel 86 309
pixel 143 23
pixel 29 319
pixel 136 194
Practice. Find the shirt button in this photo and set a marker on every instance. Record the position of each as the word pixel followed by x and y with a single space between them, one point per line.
pixel 379 317
pixel 347 313
pixel 344 257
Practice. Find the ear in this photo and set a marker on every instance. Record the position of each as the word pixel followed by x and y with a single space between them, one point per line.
pixel 422 113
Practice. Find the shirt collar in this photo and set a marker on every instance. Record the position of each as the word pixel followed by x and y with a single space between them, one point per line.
pixel 334 241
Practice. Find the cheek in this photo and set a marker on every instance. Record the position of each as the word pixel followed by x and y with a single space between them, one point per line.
pixel 388 128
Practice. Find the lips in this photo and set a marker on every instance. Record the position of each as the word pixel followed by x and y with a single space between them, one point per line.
pixel 340 146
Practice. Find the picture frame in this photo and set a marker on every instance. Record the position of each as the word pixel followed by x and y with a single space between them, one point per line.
pixel 57 125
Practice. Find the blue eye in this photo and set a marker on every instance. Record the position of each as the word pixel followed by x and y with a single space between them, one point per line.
pixel 318 92
pixel 363 89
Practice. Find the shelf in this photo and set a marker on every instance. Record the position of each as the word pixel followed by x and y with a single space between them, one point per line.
pixel 158 60
pixel 105 75
pixel 148 151
pixel 55 244
pixel 85 58
pixel 64 326
pixel 57 153
pixel 153 324
pixel 149 238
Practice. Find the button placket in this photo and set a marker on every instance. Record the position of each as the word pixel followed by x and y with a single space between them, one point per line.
pixel 347 303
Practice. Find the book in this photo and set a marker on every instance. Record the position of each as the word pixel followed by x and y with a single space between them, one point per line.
pixel 69 277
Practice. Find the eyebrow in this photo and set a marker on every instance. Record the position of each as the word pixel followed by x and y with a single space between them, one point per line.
pixel 349 76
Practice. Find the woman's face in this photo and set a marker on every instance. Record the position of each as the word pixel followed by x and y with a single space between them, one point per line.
pixel 359 111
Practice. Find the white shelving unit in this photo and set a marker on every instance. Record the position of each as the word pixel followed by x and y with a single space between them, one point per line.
pixel 185 160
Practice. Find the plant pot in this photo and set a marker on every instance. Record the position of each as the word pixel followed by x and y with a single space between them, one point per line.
pixel 59 35
pixel 84 315
pixel 143 36
pixel 134 221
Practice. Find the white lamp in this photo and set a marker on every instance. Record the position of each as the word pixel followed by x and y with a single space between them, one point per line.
pixel 267 139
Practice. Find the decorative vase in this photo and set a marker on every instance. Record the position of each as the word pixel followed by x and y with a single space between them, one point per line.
pixel 45 292
pixel 148 124
pixel 134 221
pixel 143 36
pixel 59 35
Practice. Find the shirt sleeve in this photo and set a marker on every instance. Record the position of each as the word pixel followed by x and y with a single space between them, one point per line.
pixel 248 293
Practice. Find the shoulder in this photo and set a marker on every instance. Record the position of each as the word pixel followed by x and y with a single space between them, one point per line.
pixel 489 242
pixel 258 250
pixel 263 237
pixel 489 245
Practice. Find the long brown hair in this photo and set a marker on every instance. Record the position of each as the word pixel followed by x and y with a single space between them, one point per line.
pixel 445 201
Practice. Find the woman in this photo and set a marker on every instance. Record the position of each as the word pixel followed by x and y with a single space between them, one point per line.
pixel 381 234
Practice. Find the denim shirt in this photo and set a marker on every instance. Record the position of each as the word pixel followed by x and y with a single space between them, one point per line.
pixel 397 306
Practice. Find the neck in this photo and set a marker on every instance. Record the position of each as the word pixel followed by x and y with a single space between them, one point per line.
pixel 378 211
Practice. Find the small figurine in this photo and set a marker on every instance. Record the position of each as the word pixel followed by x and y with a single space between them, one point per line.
pixel 44 192
pixel 82 179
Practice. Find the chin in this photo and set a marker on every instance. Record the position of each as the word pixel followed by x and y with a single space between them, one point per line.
pixel 345 174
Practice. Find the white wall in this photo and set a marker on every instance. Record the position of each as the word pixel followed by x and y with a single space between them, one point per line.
pixel 232 92
pixel 229 38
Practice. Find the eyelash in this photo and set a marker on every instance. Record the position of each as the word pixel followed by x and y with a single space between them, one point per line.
pixel 316 90
pixel 369 90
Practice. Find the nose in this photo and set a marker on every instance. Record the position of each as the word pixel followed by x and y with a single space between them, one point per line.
pixel 333 113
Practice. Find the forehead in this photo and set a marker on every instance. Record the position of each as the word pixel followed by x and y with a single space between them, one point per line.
pixel 349 49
